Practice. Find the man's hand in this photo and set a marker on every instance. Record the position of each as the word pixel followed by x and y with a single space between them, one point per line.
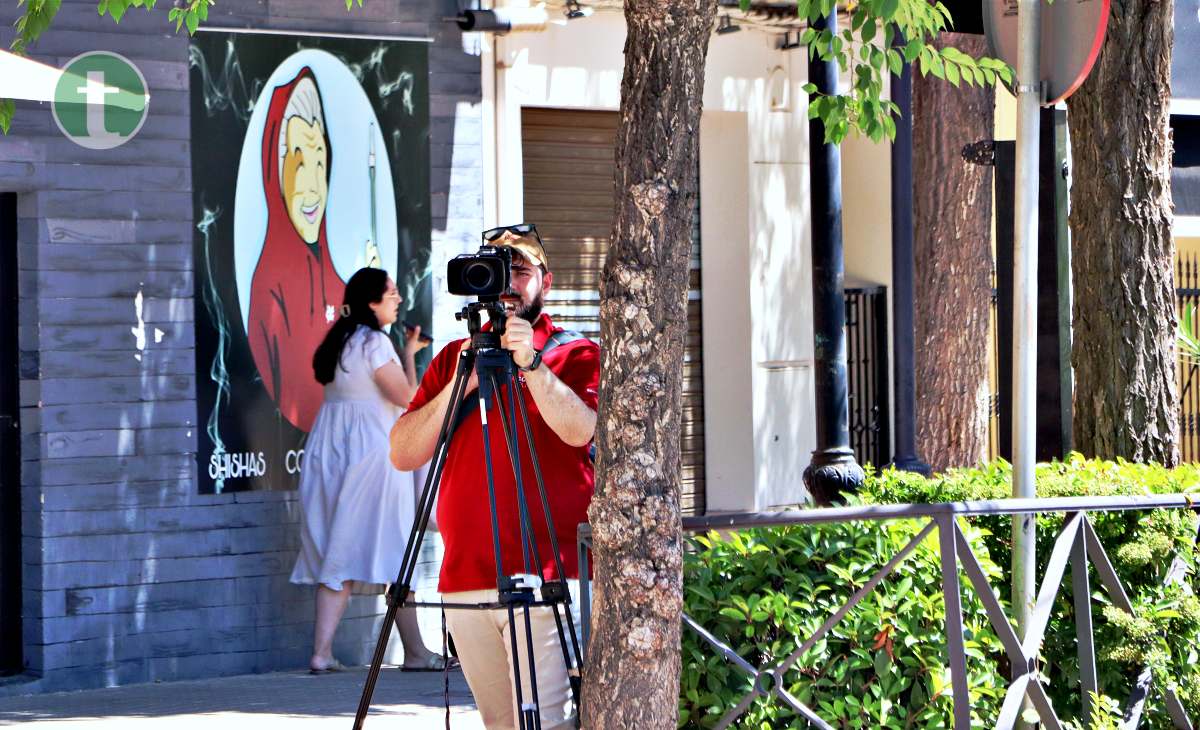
pixel 518 339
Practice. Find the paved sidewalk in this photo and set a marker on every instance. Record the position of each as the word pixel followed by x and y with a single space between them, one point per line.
pixel 292 700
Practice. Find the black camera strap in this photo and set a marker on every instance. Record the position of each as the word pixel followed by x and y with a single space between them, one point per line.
pixel 470 402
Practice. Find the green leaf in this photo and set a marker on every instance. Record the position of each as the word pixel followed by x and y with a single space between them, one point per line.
pixel 868 31
pixel 952 74
pixel 7 109
pixel 912 50
pixel 193 21
pixel 883 664
pixel 878 58
pixel 936 67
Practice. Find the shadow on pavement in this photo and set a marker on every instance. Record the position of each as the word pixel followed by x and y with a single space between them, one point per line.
pixel 419 695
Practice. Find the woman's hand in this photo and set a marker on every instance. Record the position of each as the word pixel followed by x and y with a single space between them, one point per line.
pixel 412 340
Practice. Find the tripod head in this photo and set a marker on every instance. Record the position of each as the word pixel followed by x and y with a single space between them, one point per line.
pixel 491 308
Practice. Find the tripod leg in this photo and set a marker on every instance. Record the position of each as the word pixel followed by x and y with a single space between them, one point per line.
pixel 541 485
pixel 536 708
pixel 399 593
pixel 487 393
pixel 573 672
pixel 364 702
pixel 425 503
pixel 516 668
pixel 529 551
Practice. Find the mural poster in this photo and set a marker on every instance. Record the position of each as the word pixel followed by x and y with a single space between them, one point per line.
pixel 310 160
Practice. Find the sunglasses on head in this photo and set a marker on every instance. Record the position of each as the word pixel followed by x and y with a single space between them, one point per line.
pixel 520 229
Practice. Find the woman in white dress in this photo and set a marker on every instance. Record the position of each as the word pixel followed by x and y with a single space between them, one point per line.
pixel 357 509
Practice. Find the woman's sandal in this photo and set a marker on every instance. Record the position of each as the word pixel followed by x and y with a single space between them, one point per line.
pixel 335 666
pixel 435 663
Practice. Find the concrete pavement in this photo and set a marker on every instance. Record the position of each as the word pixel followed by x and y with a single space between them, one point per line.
pixel 292 700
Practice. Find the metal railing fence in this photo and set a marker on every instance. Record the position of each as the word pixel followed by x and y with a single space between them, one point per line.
pixel 1076 545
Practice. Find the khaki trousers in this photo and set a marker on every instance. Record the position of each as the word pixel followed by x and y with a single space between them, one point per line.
pixel 483 641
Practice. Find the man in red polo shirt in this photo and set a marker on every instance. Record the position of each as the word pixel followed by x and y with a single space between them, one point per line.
pixel 560 393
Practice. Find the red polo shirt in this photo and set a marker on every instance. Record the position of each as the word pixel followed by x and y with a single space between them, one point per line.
pixel 463 516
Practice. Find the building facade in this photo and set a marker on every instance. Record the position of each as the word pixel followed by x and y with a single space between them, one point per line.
pixel 116 568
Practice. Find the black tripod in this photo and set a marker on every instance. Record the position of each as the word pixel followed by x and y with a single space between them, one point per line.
pixel 497 375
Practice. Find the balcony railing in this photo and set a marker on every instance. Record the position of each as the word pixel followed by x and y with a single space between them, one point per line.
pixel 1077 545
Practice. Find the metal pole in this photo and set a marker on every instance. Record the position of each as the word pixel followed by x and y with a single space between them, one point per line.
pixel 833 470
pixel 904 372
pixel 1029 100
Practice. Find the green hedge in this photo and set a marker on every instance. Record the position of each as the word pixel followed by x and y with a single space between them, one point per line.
pixel 763 591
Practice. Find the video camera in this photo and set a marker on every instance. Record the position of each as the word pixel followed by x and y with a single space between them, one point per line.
pixel 484 274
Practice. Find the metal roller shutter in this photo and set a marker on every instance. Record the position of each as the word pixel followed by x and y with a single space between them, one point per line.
pixel 568 177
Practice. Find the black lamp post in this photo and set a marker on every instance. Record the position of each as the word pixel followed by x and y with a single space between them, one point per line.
pixel 833 470
pixel 904 333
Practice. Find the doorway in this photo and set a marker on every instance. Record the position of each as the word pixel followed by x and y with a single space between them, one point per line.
pixel 11 659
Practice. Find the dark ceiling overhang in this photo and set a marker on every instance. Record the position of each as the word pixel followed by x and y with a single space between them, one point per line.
pixel 1185 165
pixel 967 15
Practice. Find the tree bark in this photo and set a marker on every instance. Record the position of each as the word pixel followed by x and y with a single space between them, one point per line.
pixel 1123 254
pixel 631 679
pixel 952 212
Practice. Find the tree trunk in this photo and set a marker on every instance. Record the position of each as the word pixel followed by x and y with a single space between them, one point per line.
pixel 952 212
pixel 1123 254
pixel 631 679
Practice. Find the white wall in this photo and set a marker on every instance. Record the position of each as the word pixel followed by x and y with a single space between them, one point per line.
pixel 867 228
pixel 755 248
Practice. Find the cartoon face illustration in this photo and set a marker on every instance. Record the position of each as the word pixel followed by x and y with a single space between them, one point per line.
pixel 304 159
pixel 304 181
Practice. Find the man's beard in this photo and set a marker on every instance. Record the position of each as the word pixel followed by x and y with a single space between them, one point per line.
pixel 530 312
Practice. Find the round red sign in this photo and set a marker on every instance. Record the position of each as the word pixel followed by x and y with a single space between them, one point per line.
pixel 1071 38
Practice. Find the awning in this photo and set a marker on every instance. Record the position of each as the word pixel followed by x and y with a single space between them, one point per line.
pixel 31 80
pixel 25 78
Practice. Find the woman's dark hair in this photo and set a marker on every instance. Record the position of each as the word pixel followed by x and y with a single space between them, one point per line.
pixel 365 288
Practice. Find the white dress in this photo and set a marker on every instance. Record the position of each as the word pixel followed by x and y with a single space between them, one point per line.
pixel 357 509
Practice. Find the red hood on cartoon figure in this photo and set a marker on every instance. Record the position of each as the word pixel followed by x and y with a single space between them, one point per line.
pixel 295 293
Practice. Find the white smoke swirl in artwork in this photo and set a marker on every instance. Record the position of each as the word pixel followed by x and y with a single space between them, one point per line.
pixel 216 315
pixel 227 88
